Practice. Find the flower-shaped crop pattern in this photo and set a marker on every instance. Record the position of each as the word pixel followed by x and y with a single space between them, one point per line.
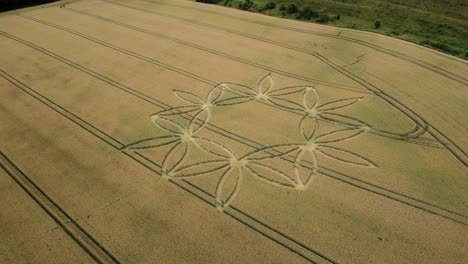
pixel 181 126
pixel 306 163
pixel 217 96
pixel 233 168
pixel 265 92
pixel 313 108
pixel 180 137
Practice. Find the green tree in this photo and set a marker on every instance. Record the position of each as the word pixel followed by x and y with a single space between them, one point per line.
pixel 208 1
pixel 377 24
pixel 323 18
pixel 307 13
pixel 270 5
pixel 246 5
pixel 292 9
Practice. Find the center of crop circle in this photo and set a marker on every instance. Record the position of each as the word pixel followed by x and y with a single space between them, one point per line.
pixel 312 112
pixel 237 163
pixel 186 137
pixel 261 96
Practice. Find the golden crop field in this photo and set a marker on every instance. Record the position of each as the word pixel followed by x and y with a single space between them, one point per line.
pixel 176 132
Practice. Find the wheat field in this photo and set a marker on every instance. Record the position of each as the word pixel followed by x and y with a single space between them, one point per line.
pixel 176 132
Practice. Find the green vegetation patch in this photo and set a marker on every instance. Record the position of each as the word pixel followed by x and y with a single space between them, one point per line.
pixel 437 24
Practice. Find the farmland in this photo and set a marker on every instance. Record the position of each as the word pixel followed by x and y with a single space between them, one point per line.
pixel 177 132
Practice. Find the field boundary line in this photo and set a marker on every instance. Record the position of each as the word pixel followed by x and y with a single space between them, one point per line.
pixel 453 148
pixel 162 105
pixel 89 244
pixel 288 244
pixel 351 39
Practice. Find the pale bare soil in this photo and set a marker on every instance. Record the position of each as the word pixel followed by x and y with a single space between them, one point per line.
pixel 174 132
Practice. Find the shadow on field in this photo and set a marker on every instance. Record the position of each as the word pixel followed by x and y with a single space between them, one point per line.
pixel 7 5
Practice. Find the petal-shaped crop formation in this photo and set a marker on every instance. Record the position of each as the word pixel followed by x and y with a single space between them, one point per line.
pixel 311 99
pixel 200 168
pixel 175 157
pixel 270 152
pixel 338 104
pixel 239 89
pixel 308 127
pixel 287 91
pixel 339 135
pixel 341 119
pixel 198 121
pixel 153 142
pixel 305 168
pixel 215 94
pixel 265 84
pixel 345 156
pixel 189 97
pixel 270 175
pixel 228 187
pixel 285 103
pixel 177 111
pixel 168 125
pixel 213 148
pixel 234 100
